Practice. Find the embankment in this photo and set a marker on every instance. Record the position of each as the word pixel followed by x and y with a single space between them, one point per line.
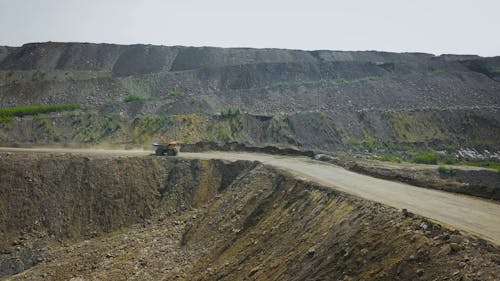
pixel 149 218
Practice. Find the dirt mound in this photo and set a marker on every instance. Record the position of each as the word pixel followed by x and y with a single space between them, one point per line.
pixel 142 218
pixel 480 182
pixel 235 146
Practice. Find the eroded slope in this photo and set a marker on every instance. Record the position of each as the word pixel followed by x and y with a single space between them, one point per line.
pixel 141 218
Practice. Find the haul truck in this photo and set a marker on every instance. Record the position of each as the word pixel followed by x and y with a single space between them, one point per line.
pixel 171 149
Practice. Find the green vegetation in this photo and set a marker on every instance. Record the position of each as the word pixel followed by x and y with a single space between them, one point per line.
pixel 111 102
pixel 176 94
pixel 426 158
pixel 7 114
pixel 341 81
pixel 434 159
pixel 225 134
pixel 362 115
pixel 283 84
pixel 132 98
pixel 484 164
pixel 372 145
pixel 390 158
pixel 145 84
pixel 449 147
pixel 415 126
pixel 231 112
pixel 236 123
pixel 87 131
pixel 6 119
pixel 445 170
pixel 146 127
pixel 438 72
pixel 235 119
pixel 111 124
pixel 449 160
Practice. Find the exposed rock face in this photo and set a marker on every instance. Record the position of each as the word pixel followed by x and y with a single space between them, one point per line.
pixel 64 195
pixel 141 218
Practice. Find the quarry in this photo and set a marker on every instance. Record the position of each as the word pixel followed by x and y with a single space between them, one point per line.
pixel 288 164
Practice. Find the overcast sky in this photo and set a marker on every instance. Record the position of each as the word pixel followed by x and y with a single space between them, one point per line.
pixel 432 26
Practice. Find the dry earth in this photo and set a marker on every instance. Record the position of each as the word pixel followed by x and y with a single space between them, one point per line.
pixel 122 215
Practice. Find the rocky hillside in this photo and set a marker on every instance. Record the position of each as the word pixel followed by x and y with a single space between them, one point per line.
pixel 74 217
pixel 326 100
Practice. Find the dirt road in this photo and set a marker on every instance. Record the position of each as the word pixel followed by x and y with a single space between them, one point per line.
pixel 476 216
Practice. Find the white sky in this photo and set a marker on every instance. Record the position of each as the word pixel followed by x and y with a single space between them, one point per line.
pixel 432 26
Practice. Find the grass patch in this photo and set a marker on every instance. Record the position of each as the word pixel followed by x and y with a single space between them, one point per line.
pixel 6 119
pixel 484 164
pixel 225 134
pixel 7 113
pixel 425 158
pixel 176 94
pixel 433 158
pixel 390 158
pixel 229 113
pixel 132 98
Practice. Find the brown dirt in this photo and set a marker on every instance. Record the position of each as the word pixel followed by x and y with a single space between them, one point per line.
pixel 189 219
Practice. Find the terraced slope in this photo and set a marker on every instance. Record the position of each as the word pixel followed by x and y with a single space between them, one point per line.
pixel 347 99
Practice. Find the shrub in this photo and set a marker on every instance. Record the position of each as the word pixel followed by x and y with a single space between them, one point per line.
pixel 450 160
pixel 225 134
pixel 282 84
pixel 235 112
pixel 372 145
pixel 6 119
pixel 176 94
pixel 449 171
pixel 236 123
pixel 426 158
pixel 8 113
pixel 390 158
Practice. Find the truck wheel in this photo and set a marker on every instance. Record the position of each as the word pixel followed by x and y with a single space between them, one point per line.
pixel 159 152
pixel 170 152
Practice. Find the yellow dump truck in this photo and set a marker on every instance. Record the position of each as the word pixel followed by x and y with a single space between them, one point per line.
pixel 171 148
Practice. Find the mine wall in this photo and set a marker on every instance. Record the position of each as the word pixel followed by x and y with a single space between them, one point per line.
pixel 154 218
